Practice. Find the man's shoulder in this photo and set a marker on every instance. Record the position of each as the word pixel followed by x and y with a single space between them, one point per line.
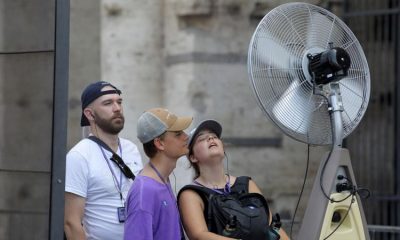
pixel 145 192
pixel 147 185
pixel 83 145
pixel 126 141
pixel 86 143
pixel 84 149
pixel 128 144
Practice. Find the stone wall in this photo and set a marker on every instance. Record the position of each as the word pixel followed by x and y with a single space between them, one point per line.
pixel 186 55
pixel 26 83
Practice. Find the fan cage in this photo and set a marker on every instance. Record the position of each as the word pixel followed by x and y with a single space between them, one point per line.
pixel 279 76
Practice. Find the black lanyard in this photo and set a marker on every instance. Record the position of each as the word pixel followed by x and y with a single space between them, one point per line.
pixel 115 157
pixel 118 184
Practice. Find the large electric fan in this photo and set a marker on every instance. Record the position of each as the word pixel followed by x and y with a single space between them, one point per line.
pixel 309 74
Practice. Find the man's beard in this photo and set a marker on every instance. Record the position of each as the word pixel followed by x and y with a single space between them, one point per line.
pixel 108 126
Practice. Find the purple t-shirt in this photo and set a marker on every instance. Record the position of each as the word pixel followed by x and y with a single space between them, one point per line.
pixel 151 211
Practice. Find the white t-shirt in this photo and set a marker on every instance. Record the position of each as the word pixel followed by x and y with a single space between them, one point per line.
pixel 88 175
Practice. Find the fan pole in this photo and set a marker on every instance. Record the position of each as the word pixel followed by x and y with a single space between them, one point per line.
pixel 336 109
pixel 323 216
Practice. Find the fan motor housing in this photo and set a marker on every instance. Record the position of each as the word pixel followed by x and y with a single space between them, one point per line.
pixel 328 66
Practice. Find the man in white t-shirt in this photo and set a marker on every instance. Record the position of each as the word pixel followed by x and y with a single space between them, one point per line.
pixel 99 170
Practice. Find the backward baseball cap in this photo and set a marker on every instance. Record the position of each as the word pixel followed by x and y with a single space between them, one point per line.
pixel 154 122
pixel 91 93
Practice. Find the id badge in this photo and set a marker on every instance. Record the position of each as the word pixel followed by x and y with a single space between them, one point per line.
pixel 121 214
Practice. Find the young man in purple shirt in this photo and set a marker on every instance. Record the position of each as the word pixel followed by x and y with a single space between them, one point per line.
pixel 151 208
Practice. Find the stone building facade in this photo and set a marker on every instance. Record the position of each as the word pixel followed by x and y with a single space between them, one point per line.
pixel 189 56
pixel 185 55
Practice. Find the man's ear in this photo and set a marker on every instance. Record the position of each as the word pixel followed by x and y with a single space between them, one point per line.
pixel 159 143
pixel 88 114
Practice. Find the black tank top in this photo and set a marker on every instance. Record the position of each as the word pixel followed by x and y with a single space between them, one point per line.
pixel 241 185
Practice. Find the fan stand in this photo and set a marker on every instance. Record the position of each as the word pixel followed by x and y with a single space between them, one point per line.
pixel 318 222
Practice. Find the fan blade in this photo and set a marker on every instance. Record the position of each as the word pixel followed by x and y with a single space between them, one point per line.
pixel 352 99
pixel 319 31
pixel 293 108
pixel 272 53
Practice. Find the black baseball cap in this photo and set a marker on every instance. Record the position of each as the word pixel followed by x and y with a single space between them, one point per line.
pixel 209 124
pixel 91 93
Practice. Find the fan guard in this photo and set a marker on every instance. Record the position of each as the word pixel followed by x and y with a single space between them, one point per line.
pixel 282 83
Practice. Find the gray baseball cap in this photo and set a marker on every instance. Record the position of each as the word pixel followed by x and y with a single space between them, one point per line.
pixel 154 122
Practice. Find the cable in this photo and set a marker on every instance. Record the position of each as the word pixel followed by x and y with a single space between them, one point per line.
pixel 302 189
pixel 341 222
pixel 352 193
pixel 332 145
pixel 227 163
pixel 173 173
pixel 326 162
pixel 28 52
pixel 321 180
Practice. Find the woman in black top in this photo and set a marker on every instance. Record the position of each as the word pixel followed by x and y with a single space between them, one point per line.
pixel 206 155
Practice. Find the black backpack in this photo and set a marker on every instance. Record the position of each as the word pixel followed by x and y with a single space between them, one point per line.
pixel 239 214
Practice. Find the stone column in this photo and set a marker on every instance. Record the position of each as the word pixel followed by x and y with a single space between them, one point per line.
pixel 85 66
pixel 132 55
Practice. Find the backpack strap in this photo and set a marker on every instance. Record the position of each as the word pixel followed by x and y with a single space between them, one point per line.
pixel 241 184
pixel 202 191
pixel 206 195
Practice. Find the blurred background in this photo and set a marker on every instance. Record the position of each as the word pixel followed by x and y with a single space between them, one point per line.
pixel 189 56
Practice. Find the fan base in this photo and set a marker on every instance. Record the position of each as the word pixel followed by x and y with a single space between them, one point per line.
pixel 319 216
pixel 351 227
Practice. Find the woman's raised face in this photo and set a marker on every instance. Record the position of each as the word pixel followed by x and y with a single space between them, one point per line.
pixel 207 145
